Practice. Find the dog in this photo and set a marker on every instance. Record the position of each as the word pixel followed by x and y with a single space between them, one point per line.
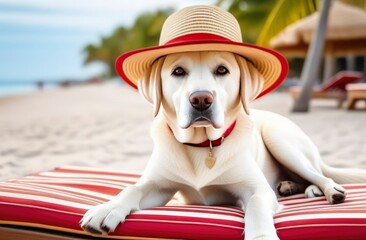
pixel 208 144
pixel 199 96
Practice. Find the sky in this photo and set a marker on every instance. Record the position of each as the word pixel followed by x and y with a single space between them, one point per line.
pixel 43 40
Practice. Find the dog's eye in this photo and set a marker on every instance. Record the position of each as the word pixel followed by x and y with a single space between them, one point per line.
pixel 179 72
pixel 221 70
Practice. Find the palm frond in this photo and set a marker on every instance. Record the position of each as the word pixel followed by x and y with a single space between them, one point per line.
pixel 283 14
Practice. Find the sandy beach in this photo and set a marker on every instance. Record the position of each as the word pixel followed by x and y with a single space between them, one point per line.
pixel 107 126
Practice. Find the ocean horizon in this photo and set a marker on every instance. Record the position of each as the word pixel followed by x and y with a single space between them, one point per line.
pixel 18 87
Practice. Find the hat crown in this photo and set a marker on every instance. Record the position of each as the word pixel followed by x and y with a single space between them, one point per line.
pixel 200 19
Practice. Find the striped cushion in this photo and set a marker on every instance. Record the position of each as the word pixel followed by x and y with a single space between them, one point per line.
pixel 58 199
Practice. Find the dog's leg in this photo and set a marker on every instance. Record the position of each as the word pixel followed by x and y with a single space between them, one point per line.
pixel 293 149
pixel 259 210
pixel 104 218
pixel 298 162
pixel 260 204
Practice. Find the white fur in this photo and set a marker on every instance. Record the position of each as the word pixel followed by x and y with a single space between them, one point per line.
pixel 249 161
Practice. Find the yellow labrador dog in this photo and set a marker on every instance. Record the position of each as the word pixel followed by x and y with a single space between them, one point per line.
pixel 212 149
pixel 202 95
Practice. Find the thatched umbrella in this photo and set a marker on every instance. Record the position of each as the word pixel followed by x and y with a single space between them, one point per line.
pixel 343 30
pixel 345 35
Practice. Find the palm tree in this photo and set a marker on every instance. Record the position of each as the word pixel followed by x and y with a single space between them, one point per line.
pixel 259 20
pixel 144 32
pixel 294 11
pixel 312 62
pixel 251 14
pixel 107 50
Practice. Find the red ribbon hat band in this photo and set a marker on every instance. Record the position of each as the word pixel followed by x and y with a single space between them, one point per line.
pixel 203 28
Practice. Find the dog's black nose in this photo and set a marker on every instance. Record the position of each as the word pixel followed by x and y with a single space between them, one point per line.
pixel 201 100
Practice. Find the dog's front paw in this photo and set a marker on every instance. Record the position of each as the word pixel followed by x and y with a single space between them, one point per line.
pixel 103 219
pixel 265 237
pixel 269 234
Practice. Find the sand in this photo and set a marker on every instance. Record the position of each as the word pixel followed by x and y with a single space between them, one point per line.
pixel 107 126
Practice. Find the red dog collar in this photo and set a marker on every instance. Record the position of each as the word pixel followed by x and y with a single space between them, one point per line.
pixel 214 143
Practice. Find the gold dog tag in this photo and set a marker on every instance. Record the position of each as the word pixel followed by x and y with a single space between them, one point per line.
pixel 210 160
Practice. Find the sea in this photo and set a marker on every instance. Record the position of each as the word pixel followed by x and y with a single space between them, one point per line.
pixel 16 87
pixel 11 88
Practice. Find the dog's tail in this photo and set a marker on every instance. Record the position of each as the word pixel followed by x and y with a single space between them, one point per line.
pixel 344 175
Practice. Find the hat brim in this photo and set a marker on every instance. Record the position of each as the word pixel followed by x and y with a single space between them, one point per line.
pixel 131 66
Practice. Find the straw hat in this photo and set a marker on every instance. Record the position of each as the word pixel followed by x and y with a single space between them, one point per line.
pixel 203 28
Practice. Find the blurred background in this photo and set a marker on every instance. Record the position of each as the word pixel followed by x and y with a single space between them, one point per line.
pixel 48 43
pixel 61 102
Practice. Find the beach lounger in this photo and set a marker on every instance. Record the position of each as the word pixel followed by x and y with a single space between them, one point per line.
pixel 355 93
pixel 49 205
pixel 334 88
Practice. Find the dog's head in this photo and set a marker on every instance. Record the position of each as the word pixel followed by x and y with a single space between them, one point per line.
pixel 201 90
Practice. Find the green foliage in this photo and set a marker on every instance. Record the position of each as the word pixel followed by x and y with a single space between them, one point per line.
pixel 284 13
pixel 260 20
pixel 143 33
pixel 251 15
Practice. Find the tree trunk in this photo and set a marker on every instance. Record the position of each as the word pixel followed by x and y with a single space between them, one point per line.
pixel 329 68
pixel 313 59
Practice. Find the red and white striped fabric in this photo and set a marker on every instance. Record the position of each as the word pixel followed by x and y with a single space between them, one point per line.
pixel 58 199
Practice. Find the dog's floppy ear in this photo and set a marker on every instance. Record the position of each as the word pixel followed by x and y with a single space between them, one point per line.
pixel 251 82
pixel 150 84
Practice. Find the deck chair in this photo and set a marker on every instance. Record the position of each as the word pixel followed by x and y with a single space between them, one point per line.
pixel 355 93
pixel 334 88
pixel 49 205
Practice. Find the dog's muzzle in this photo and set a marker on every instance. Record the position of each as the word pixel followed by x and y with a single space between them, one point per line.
pixel 201 112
